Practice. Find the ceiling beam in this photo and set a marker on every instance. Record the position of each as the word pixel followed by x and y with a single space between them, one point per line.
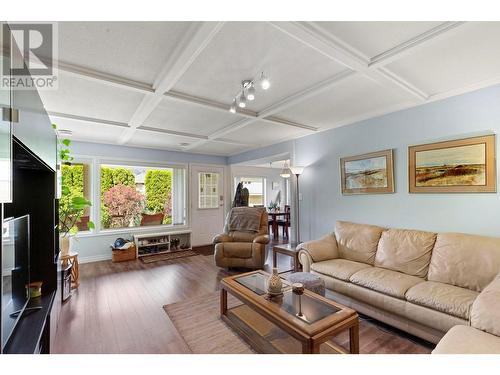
pixel 322 41
pixel 145 128
pixel 192 44
pixel 409 46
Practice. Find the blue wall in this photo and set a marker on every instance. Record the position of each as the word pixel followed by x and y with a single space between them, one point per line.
pixel 466 115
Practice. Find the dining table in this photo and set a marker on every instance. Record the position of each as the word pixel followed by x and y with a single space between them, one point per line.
pixel 274 215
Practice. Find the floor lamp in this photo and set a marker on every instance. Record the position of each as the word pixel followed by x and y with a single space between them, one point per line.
pixel 297 171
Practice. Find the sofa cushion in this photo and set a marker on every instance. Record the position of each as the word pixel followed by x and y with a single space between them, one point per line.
pixel 389 282
pixel 341 269
pixel 485 314
pixel 357 242
pixel 446 298
pixel 467 340
pixel 407 251
pixel 465 260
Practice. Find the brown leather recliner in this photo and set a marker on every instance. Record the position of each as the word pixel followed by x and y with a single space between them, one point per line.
pixel 242 249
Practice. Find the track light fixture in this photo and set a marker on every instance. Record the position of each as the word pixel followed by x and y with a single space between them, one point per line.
pixel 247 92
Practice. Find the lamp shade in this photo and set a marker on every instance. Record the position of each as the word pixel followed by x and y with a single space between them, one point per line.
pixel 297 170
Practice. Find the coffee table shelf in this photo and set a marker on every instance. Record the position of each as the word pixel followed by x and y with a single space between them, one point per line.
pixel 324 320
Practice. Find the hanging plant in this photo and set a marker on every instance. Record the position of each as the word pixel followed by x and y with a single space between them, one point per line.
pixel 71 212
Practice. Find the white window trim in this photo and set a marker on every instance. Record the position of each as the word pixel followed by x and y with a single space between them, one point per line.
pixel 95 189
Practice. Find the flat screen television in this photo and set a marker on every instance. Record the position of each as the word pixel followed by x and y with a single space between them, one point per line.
pixel 15 272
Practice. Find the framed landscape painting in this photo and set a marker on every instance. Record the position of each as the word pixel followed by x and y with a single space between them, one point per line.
pixel 368 173
pixel 459 166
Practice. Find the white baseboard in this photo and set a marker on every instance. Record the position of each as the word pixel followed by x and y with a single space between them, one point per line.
pixel 95 258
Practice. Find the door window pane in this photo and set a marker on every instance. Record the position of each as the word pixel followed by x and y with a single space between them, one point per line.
pixel 208 190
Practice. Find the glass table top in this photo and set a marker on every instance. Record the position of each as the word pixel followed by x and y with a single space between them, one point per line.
pixel 305 307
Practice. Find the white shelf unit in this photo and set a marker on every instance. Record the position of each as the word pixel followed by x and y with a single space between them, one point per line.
pixel 160 243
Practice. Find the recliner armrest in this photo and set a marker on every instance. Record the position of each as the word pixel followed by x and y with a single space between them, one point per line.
pixel 263 239
pixel 318 250
pixel 223 237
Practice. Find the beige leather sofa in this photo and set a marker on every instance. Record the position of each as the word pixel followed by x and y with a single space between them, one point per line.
pixel 483 335
pixel 421 282
pixel 242 249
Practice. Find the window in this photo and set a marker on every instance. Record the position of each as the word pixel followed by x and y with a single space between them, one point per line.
pixel 134 196
pixel 208 194
pixel 76 176
pixel 256 189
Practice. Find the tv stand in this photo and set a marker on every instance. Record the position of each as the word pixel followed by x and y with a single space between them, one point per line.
pixel 26 311
pixel 32 333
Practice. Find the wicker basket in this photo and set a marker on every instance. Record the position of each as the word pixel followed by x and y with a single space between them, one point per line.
pixel 124 255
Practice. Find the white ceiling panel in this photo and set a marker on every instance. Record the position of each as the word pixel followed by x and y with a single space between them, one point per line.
pixel 81 97
pixel 133 50
pixel 217 148
pixel 160 141
pixel 373 38
pixel 189 118
pixel 350 99
pixel 88 131
pixel 467 56
pixel 240 51
pixel 264 133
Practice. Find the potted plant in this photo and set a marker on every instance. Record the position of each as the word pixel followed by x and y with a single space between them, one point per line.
pixel 273 207
pixel 71 212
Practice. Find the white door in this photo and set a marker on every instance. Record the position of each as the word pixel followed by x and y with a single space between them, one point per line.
pixel 207 203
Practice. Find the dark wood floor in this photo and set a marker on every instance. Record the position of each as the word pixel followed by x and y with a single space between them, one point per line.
pixel 118 306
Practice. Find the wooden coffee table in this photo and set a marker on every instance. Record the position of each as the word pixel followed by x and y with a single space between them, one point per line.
pixel 322 319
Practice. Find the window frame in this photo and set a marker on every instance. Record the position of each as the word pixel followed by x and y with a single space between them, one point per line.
pixel 264 185
pixel 216 207
pixel 78 159
pixel 95 177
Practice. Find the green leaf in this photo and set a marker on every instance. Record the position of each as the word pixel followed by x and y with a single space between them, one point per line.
pixel 54 126
pixel 66 142
pixel 91 225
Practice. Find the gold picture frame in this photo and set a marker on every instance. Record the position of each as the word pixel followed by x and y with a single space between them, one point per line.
pixel 371 173
pixel 459 166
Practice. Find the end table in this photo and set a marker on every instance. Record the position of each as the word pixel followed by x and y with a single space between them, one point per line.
pixel 289 249
pixel 72 259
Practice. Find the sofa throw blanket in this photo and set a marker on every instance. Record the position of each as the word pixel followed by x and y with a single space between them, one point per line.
pixel 244 219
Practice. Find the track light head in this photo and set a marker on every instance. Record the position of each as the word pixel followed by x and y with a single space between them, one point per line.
pixel 264 82
pixel 243 100
pixel 251 93
pixel 232 109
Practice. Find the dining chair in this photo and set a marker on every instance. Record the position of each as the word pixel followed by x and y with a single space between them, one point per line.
pixel 285 223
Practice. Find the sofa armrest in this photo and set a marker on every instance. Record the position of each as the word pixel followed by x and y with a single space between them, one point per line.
pixel 317 250
pixel 263 239
pixel 223 237
pixel 485 312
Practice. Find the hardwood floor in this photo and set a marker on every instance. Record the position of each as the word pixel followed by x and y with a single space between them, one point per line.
pixel 118 307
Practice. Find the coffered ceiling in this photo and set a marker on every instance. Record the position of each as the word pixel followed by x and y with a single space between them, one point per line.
pixel 168 85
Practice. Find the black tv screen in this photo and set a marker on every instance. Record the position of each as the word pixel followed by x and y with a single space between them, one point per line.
pixel 15 272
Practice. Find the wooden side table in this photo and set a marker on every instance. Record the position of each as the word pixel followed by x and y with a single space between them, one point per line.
pixel 289 249
pixel 72 260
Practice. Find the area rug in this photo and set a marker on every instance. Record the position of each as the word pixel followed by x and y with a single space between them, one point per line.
pixel 197 321
pixel 168 256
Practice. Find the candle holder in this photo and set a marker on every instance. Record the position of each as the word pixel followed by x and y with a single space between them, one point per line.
pixel 298 289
